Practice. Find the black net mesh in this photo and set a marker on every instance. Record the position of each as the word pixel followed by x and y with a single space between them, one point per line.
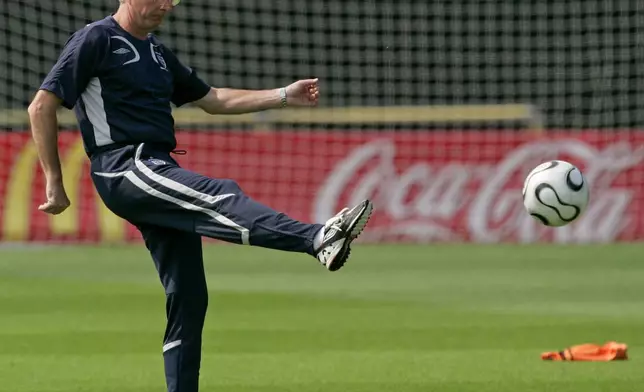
pixel 579 62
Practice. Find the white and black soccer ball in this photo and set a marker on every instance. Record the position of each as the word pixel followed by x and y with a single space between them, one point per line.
pixel 555 193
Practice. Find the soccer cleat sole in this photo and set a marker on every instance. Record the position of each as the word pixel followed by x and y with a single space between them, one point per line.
pixel 362 221
pixel 357 226
pixel 341 259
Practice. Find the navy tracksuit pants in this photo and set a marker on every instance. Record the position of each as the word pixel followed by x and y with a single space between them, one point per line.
pixel 173 208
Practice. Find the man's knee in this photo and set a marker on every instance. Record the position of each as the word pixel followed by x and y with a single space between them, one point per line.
pixel 229 186
pixel 190 290
pixel 191 304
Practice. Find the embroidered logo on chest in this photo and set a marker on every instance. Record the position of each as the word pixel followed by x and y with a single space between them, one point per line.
pixel 125 52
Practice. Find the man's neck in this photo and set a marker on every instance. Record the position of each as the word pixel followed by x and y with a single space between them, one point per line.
pixel 124 19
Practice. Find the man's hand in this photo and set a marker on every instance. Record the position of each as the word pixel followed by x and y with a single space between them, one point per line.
pixel 303 93
pixel 57 200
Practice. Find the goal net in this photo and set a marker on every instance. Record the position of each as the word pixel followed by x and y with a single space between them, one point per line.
pixel 435 110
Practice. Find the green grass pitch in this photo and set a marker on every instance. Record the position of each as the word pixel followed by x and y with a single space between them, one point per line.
pixel 397 318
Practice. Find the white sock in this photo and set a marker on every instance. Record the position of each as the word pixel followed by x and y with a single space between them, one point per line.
pixel 317 241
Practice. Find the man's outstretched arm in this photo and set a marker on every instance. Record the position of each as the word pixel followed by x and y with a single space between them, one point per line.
pixel 302 93
pixel 44 130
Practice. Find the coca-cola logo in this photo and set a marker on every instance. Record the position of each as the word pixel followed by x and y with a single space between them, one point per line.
pixel 459 200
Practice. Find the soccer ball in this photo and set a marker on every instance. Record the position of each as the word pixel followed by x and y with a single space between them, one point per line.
pixel 555 193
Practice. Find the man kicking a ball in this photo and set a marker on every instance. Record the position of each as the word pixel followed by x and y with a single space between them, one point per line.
pixel 120 81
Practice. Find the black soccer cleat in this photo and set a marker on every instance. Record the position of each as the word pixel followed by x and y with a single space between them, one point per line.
pixel 339 232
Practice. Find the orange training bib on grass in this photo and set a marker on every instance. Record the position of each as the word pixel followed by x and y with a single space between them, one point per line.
pixel 610 351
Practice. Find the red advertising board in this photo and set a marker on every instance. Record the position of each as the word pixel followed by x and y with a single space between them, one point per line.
pixel 426 186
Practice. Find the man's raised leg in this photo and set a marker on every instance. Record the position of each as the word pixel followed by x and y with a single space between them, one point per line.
pixel 157 191
pixel 178 258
